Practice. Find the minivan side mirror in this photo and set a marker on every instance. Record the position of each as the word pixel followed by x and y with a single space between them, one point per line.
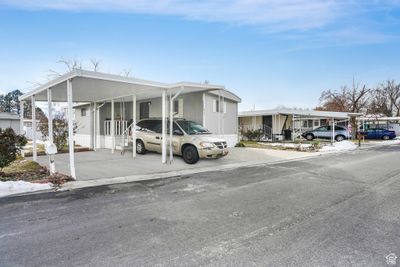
pixel 177 132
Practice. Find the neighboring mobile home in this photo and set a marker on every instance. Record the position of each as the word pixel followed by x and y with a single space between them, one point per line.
pixel 10 120
pixel 280 124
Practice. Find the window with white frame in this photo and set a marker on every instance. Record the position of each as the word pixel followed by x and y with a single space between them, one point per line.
pixel 83 112
pixel 219 106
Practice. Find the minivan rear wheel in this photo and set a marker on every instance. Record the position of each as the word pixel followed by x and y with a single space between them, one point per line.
pixel 385 137
pixel 190 154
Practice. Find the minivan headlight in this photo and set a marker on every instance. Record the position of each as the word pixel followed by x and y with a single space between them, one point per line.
pixel 207 144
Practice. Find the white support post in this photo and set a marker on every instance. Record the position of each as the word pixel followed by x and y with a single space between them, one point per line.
pixel 171 126
pixel 71 130
pixel 50 117
pixel 333 130
pixel 293 131
pixel 133 129
pixel 50 127
pixel 21 117
pixel 219 112
pixel 94 126
pixel 112 126
pixel 163 130
pixel 34 127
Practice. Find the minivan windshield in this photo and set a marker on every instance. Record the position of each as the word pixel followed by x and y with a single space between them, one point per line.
pixel 191 127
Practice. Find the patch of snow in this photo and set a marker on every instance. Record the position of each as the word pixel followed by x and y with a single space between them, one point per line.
pixel 339 146
pixel 287 145
pixel 15 187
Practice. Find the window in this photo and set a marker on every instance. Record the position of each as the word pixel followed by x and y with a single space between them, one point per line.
pixel 323 128
pixel 144 110
pixel 191 127
pixel 83 112
pixel 219 106
pixel 176 106
pixel 216 106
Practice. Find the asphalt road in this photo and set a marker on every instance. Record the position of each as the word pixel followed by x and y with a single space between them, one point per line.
pixel 336 210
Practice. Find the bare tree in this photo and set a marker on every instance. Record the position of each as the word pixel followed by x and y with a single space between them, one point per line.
pixel 354 100
pixel 346 99
pixel 385 99
pixel 71 64
pixel 126 72
pixel 95 64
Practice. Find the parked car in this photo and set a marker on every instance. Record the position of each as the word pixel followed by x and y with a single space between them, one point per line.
pixel 190 140
pixel 378 133
pixel 325 132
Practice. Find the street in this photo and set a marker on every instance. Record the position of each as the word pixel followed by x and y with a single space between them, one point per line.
pixel 333 210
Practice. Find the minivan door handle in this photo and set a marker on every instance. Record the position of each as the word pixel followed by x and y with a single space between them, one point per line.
pixel 157 137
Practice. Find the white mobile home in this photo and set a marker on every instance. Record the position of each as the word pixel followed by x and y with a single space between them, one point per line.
pixel 112 101
pixel 215 109
pixel 10 120
pixel 280 124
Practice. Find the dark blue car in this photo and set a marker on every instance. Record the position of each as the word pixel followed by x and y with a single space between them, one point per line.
pixel 378 133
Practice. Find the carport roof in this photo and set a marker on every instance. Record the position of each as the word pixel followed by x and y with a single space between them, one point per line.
pixel 299 112
pixel 90 86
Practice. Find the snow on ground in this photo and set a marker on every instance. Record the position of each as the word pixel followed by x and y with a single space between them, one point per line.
pixel 287 145
pixel 339 146
pixel 15 187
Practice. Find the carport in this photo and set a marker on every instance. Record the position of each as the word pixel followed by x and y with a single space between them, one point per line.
pixel 276 123
pixel 81 86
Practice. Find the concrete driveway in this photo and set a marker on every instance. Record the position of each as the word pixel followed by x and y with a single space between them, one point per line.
pixel 102 164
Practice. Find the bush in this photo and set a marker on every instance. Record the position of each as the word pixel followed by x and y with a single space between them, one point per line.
pixel 240 144
pixel 253 135
pixel 60 131
pixel 316 145
pixel 10 146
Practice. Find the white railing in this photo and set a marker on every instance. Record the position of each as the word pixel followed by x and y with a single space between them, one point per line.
pixel 119 127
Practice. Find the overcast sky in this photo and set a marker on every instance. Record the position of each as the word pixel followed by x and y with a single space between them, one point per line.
pixel 270 53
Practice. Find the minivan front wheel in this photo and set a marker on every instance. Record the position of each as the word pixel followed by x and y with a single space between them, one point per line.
pixel 140 149
pixel 190 154
pixel 385 137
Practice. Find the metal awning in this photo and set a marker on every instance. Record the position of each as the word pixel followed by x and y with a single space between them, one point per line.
pixel 89 86
pixel 300 113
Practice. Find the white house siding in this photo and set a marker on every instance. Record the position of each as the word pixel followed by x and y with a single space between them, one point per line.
pixel 10 123
pixel 224 125
pixel 191 108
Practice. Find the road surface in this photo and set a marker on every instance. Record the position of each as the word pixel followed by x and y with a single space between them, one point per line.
pixel 334 210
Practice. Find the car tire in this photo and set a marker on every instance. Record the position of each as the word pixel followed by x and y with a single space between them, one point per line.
pixel 386 137
pixel 140 149
pixel 309 137
pixel 339 138
pixel 190 154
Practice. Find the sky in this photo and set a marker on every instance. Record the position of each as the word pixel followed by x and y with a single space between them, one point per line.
pixel 269 52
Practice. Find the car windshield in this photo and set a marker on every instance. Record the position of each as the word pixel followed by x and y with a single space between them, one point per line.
pixel 191 127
